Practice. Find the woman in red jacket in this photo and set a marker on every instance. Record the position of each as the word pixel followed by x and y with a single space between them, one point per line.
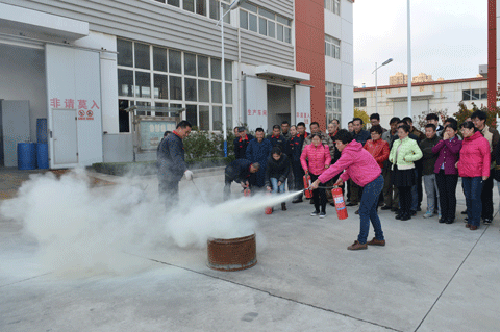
pixel 315 158
pixel 378 148
pixel 474 167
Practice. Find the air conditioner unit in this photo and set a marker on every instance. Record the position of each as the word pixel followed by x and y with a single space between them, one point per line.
pixel 483 70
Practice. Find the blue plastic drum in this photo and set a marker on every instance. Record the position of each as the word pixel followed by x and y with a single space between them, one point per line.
pixel 42 156
pixel 26 156
pixel 41 131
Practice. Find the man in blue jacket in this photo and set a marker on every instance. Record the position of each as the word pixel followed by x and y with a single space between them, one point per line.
pixel 239 171
pixel 170 159
pixel 259 150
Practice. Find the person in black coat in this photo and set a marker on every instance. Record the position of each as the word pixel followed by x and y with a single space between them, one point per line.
pixel 277 170
pixel 241 143
pixel 170 161
pixel 296 142
pixel 239 171
pixel 277 139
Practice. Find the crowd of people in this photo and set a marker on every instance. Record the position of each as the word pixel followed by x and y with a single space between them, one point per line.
pixel 382 168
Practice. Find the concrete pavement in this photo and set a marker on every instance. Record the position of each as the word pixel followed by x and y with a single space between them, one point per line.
pixel 429 277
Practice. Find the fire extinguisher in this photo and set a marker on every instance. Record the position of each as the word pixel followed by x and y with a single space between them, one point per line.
pixel 269 209
pixel 338 198
pixel 307 184
pixel 246 192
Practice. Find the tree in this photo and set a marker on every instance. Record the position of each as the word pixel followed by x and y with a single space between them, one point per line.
pixel 464 113
pixel 362 115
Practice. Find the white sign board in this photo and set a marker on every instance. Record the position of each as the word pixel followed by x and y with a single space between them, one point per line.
pixel 302 104
pixel 256 103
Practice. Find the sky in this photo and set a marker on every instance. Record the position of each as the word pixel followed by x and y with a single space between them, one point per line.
pixel 448 38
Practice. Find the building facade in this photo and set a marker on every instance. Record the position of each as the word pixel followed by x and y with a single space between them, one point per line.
pixel 435 95
pixel 85 65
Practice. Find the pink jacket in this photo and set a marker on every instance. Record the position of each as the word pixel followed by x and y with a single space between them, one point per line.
pixel 317 158
pixel 359 165
pixel 475 157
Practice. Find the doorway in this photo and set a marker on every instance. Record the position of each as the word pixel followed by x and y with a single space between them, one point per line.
pixel 279 104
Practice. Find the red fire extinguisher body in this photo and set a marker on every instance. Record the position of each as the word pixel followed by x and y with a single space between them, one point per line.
pixel 269 209
pixel 246 192
pixel 307 184
pixel 338 199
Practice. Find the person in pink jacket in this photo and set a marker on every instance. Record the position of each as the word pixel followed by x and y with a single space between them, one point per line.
pixel 315 158
pixel 473 167
pixel 359 166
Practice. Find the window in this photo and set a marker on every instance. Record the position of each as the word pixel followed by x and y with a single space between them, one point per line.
pixel 141 56
pixel 359 102
pixel 333 6
pixel 265 22
pixel 159 59
pixel 332 47
pixel 188 5
pixel 200 7
pixel 474 94
pixel 124 53
pixel 214 10
pixel 160 77
pixel 333 101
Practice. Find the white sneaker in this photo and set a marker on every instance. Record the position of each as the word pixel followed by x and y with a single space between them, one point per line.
pixel 322 215
pixel 428 214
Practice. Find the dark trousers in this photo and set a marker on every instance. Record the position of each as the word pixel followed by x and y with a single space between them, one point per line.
pixel 355 193
pixel 487 199
pixel 298 174
pixel 447 186
pixel 419 187
pixel 472 188
pixel 390 192
pixel 169 189
pixel 348 189
pixel 319 195
pixel 405 201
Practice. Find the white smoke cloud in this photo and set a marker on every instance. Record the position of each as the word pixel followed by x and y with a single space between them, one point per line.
pixel 82 230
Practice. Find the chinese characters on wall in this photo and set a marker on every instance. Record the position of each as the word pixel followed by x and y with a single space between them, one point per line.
pixel 83 110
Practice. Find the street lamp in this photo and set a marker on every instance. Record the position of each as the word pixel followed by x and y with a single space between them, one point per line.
pixel 233 5
pixel 376 86
pixel 409 57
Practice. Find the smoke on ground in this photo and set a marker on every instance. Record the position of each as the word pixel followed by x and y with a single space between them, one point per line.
pixel 83 230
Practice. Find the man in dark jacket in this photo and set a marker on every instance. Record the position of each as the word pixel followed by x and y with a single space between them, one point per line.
pixel 285 130
pixel 239 171
pixel 259 150
pixel 428 161
pixel 170 159
pixel 297 142
pixel 361 136
pixel 277 139
pixel 491 134
pixel 241 143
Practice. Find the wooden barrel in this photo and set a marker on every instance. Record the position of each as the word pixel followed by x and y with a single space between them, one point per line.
pixel 234 254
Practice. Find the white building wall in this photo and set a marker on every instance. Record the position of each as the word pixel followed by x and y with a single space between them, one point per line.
pixel 109 77
pixel 340 71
